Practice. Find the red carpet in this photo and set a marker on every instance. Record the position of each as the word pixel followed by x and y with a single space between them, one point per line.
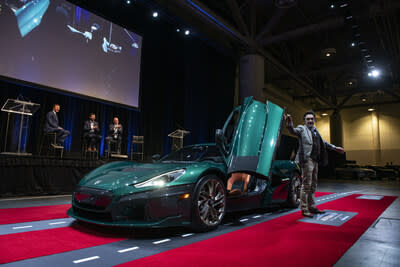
pixel 15 247
pixel 320 194
pixel 30 214
pixel 280 242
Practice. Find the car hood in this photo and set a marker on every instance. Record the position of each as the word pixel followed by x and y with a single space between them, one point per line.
pixel 113 177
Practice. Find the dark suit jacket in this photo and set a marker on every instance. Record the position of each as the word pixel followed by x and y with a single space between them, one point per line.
pixel 111 130
pixel 51 123
pixel 86 128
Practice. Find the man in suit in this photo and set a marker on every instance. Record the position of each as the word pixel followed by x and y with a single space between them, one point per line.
pixel 115 134
pixel 91 132
pixel 51 125
pixel 312 149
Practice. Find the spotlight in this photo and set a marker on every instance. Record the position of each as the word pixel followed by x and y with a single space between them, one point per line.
pixel 350 83
pixel 187 32
pixel 375 73
pixel 178 30
pixel 332 6
pixel 328 54
pixel 155 14
pixel 128 2
pixel 353 44
pixel 363 98
pixel 324 114
pixel 371 109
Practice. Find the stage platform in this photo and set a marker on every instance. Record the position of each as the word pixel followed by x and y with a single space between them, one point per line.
pixel 35 175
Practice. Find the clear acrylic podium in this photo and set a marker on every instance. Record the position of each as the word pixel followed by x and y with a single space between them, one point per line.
pixel 177 139
pixel 25 110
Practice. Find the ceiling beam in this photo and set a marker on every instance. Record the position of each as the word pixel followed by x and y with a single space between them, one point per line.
pixel 237 16
pixel 309 29
pixel 207 15
pixel 271 23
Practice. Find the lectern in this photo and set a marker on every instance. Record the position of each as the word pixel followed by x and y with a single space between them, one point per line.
pixel 177 139
pixel 25 110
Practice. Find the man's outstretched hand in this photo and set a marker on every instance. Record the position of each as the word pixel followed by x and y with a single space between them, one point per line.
pixel 287 118
pixel 339 149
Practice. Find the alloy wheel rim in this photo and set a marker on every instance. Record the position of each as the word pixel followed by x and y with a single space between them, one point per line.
pixel 211 202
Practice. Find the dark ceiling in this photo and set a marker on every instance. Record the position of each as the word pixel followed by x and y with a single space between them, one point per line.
pixel 295 36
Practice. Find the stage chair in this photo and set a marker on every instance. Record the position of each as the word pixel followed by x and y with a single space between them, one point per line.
pixel 139 142
pixel 111 143
pixel 89 154
pixel 49 140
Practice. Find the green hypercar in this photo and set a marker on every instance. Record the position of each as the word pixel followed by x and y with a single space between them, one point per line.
pixel 188 186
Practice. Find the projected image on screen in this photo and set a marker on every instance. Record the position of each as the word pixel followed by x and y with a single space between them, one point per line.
pixel 60 45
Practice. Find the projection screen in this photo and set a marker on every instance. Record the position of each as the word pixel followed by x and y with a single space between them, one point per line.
pixel 60 45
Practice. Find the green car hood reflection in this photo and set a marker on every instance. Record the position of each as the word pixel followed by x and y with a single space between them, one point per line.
pixel 254 142
pixel 122 176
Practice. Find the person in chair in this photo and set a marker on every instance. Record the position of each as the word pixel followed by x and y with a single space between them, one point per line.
pixel 51 125
pixel 91 132
pixel 115 134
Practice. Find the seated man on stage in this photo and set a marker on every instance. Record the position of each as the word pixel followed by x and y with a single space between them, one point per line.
pixel 91 132
pixel 51 125
pixel 115 134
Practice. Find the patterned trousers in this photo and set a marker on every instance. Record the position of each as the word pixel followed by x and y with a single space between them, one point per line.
pixel 310 174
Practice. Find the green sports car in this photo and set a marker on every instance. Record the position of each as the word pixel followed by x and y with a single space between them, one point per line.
pixel 188 186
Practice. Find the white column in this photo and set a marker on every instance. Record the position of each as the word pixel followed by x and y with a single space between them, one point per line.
pixel 376 138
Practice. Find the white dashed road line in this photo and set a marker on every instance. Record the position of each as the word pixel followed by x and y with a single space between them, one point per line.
pixel 243 220
pixel 161 241
pixel 54 223
pixel 257 216
pixel 21 227
pixel 127 249
pixel 87 259
pixel 186 235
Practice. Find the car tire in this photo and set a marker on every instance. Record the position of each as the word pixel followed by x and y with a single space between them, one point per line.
pixel 293 199
pixel 209 203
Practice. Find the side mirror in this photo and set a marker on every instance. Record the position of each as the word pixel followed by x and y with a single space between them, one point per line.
pixel 219 137
pixel 156 157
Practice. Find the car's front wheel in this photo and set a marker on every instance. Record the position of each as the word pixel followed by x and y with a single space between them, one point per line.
pixel 209 203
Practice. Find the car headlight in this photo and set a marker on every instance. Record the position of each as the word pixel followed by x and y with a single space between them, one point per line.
pixel 162 179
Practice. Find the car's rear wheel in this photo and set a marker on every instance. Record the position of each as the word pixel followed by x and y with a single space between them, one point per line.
pixel 293 199
pixel 209 203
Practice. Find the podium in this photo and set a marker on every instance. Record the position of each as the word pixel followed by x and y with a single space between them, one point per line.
pixel 24 110
pixel 177 139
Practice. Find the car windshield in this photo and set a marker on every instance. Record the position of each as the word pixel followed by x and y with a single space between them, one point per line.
pixel 194 153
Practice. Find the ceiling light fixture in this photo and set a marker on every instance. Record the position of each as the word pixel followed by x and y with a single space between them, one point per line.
pixel 371 109
pixel 187 32
pixel 155 14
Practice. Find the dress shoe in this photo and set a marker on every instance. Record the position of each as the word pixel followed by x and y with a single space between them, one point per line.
pixel 317 211
pixel 234 192
pixel 307 214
